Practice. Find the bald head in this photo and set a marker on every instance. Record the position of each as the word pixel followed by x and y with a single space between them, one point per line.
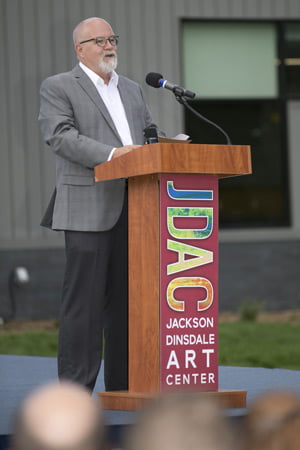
pixel 59 416
pixel 179 422
pixel 85 28
pixel 269 413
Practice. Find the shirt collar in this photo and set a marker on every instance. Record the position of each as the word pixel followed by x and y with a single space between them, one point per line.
pixel 95 77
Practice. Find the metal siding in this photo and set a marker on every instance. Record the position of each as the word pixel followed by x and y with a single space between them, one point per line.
pixel 75 13
pixel 236 8
pixel 30 111
pixel 166 61
pixel 208 8
pixel 223 8
pixel 134 35
pixel 5 166
pixel 15 129
pixel 265 8
pixel 153 35
pixel 251 9
pixel 61 37
pixel 45 57
pixel 192 8
pixel 36 37
pixel 281 8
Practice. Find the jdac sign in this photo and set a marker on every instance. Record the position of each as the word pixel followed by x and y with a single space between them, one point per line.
pixel 189 282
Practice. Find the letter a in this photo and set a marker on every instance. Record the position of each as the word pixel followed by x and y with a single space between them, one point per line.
pixel 201 256
pixel 173 361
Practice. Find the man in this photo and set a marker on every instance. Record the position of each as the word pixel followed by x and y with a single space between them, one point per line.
pixel 180 421
pixel 273 421
pixel 88 116
pixel 59 416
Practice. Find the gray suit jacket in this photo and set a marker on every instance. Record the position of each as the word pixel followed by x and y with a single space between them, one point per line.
pixel 76 125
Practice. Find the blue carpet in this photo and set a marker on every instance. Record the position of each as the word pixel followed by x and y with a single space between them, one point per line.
pixel 19 375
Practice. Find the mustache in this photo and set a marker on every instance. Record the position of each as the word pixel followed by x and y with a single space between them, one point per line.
pixel 109 53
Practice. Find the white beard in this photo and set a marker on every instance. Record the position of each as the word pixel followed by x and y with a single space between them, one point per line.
pixel 109 66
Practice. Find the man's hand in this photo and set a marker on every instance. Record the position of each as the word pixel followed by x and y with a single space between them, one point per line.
pixel 122 150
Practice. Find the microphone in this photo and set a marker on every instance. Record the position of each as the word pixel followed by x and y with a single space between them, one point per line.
pixel 156 80
pixel 150 134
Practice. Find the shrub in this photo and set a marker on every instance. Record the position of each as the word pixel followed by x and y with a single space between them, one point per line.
pixel 250 310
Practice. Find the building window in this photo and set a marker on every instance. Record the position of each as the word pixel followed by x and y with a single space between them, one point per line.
pixel 242 84
pixel 290 59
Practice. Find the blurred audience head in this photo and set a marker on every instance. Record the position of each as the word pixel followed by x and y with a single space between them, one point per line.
pixel 273 422
pixel 180 422
pixel 59 416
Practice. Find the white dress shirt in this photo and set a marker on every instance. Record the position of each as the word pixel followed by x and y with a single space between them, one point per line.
pixel 112 100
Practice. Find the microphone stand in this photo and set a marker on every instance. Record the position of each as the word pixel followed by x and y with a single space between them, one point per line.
pixel 183 101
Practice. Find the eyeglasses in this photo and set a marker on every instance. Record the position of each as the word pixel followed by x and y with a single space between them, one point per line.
pixel 101 41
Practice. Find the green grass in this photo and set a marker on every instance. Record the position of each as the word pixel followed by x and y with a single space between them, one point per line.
pixel 30 343
pixel 257 344
pixel 241 343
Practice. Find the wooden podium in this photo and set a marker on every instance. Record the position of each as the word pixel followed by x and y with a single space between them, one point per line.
pixel 146 169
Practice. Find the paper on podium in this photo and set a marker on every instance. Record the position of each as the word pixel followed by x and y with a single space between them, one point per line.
pixel 175 140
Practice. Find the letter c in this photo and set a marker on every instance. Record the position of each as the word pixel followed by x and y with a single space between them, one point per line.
pixel 190 282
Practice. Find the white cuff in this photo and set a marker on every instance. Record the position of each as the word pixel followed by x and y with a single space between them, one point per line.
pixel 111 154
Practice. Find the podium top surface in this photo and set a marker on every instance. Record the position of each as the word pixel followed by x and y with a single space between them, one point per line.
pixel 221 160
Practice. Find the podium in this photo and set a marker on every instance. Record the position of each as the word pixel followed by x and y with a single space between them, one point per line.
pixel 173 268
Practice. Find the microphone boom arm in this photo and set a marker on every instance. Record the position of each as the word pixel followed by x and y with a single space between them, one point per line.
pixel 183 101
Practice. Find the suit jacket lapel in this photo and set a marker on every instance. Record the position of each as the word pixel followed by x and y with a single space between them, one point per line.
pixel 94 96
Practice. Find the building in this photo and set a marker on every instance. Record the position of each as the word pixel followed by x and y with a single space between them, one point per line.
pixel 241 57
